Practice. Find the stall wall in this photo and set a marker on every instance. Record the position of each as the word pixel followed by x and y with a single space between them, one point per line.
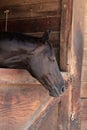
pixel 84 75
pixel 78 118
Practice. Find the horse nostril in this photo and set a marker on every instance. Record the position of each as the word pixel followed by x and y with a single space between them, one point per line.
pixel 63 88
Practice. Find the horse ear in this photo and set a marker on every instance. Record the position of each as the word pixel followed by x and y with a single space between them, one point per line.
pixel 45 36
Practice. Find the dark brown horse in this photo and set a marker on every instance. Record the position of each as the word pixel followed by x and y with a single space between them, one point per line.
pixel 36 55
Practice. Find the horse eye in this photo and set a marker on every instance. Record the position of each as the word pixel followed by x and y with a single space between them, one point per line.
pixel 52 59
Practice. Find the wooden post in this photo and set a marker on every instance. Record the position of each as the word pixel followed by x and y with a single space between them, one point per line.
pixel 76 62
pixel 66 20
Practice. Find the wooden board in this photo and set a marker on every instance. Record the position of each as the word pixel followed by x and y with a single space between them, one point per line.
pixel 66 20
pixel 85 57
pixel 32 25
pixel 76 61
pixel 84 74
pixel 18 2
pixel 85 21
pixel 15 76
pixel 84 122
pixel 18 104
pixel 83 90
pixel 21 105
pixel 49 120
pixel 31 10
pixel 84 106
pixel 85 40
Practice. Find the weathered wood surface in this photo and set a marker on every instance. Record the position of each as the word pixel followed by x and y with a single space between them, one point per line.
pixel 76 62
pixel 31 10
pixel 49 119
pixel 18 2
pixel 84 106
pixel 84 122
pixel 83 90
pixel 84 74
pixel 83 114
pixel 18 104
pixel 21 105
pixel 85 40
pixel 66 22
pixel 85 22
pixel 32 25
pixel 85 55
pixel 63 111
pixel 15 76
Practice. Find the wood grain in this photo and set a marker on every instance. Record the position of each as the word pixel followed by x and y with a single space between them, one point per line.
pixel 76 61
pixel 85 40
pixel 84 106
pixel 83 90
pixel 31 10
pixel 18 2
pixel 85 57
pixel 85 23
pixel 18 104
pixel 47 120
pixel 66 19
pixel 32 25
pixel 15 76
pixel 84 122
pixel 84 74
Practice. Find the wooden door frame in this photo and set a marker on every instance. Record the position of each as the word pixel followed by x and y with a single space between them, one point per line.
pixel 69 61
pixel 66 22
pixel 65 50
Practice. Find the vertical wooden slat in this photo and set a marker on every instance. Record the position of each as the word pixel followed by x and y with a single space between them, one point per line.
pixel 66 19
pixel 76 62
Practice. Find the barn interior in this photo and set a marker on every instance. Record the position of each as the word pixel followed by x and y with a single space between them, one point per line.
pixel 24 103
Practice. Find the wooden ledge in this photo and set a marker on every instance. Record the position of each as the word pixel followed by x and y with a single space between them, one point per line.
pixel 15 76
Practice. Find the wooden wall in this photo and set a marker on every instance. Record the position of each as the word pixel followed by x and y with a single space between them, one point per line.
pixel 84 75
pixel 79 66
pixel 34 17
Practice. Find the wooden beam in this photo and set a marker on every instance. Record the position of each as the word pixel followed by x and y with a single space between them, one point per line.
pixel 31 10
pixel 66 20
pixel 76 63
pixel 32 25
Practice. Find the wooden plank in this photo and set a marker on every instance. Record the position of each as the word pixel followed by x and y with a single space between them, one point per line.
pixel 66 19
pixel 85 40
pixel 84 122
pixel 18 2
pixel 19 103
pixel 84 74
pixel 19 77
pixel 85 24
pixel 24 107
pixel 32 25
pixel 76 62
pixel 84 106
pixel 83 90
pixel 49 120
pixel 85 57
pixel 31 10
pixel 63 111
pixel 15 76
